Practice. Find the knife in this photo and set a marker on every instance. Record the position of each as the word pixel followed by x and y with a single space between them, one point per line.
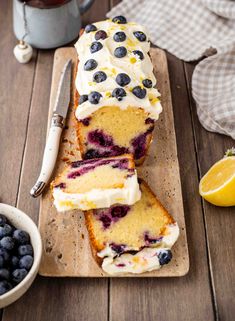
pixel 57 123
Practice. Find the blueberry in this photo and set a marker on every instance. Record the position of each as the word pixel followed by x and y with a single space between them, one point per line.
pixel 90 64
pixel 86 121
pixel 119 211
pixel 25 250
pixel 3 220
pixel 120 52
pixel 99 76
pixel 5 287
pixel 100 34
pixel 139 92
pixel 26 262
pixel 91 153
pixel 147 83
pixel 119 93
pixel 165 257
pixel 14 261
pixel 106 220
pixel 22 237
pixel 1 261
pixel 119 20
pixel 140 35
pixel 139 54
pixel 123 79
pixel 96 46
pixel 8 243
pixel 100 138
pixel 4 274
pixel 119 36
pixel 5 230
pixel 82 99
pixel 94 97
pixel 18 275
pixel 4 253
pixel 90 28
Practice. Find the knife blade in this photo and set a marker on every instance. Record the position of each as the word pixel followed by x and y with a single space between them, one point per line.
pixel 57 123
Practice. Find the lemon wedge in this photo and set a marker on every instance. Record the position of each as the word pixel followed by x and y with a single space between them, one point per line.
pixel 217 186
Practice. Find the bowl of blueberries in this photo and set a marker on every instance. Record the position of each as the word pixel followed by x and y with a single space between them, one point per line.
pixel 20 253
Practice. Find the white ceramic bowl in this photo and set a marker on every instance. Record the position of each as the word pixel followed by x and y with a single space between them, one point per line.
pixel 20 220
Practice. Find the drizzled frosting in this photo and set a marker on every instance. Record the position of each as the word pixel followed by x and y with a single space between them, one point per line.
pixel 131 64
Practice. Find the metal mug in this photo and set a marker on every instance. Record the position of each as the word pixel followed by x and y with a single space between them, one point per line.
pixel 48 27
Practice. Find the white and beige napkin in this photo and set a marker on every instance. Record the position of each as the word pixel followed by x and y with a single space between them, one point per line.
pixel 193 29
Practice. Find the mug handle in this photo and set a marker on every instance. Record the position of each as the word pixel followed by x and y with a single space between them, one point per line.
pixel 85 5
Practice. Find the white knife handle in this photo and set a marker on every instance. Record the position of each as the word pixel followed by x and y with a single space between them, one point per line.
pixel 49 156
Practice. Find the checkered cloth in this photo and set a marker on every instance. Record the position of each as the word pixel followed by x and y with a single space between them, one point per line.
pixel 193 29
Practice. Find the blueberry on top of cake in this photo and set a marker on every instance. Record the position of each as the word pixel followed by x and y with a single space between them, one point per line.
pixel 132 239
pixel 114 53
pixel 96 183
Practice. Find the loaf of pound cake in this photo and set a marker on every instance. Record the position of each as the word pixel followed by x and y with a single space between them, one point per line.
pixel 132 239
pixel 96 183
pixel 117 104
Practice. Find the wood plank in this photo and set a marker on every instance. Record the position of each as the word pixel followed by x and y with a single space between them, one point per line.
pixel 219 221
pixel 73 257
pixel 187 298
pixel 15 101
pixel 68 298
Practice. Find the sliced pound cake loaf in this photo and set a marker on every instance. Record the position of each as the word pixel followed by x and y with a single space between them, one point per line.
pixel 96 183
pixel 117 102
pixel 132 239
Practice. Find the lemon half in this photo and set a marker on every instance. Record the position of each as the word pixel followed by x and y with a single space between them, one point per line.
pixel 217 186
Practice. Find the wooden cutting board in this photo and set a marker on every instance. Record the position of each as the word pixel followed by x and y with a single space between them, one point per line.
pixel 66 249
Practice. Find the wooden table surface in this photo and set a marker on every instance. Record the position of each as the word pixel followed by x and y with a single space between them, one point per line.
pixel 206 293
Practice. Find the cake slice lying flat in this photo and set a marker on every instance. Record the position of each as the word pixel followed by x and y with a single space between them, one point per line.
pixel 96 183
pixel 132 239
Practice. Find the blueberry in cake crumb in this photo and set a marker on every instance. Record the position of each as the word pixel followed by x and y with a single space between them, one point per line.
pixel 119 36
pixel 120 52
pixel 149 121
pixel 123 79
pixel 91 153
pixel 90 28
pixel 106 221
pixel 94 97
pixel 119 20
pixel 139 54
pixel 119 211
pixel 86 121
pixel 147 83
pixel 99 138
pixel 118 248
pixel 82 99
pixel 100 34
pixel 90 64
pixel 99 76
pixel 140 35
pixel 61 185
pixel 119 93
pixel 139 92
pixel 165 257
pixel 96 46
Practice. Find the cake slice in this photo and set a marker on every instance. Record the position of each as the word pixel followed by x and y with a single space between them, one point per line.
pixel 116 101
pixel 96 183
pixel 132 239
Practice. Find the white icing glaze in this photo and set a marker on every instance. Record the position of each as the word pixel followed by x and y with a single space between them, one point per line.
pixel 98 198
pixel 111 65
pixel 143 261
